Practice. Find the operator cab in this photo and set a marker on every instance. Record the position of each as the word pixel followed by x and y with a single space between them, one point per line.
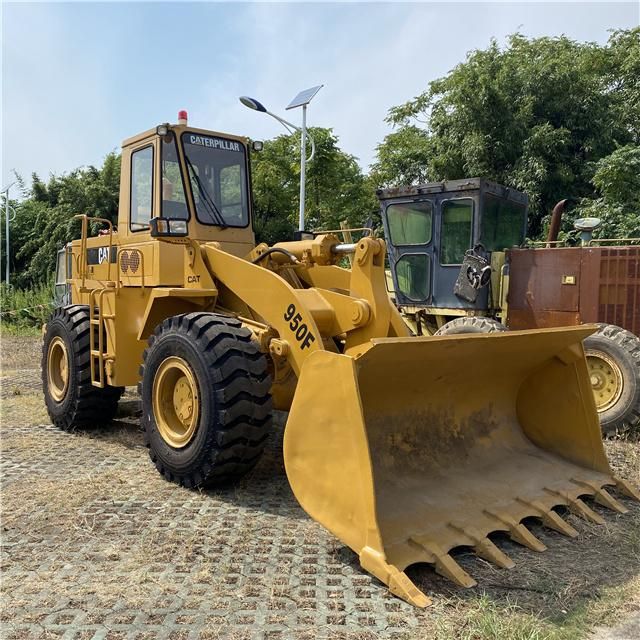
pixel 430 227
pixel 179 181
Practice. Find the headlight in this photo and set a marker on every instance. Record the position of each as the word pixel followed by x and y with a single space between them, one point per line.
pixel 168 227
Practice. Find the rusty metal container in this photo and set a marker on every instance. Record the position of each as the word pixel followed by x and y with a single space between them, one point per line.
pixel 572 285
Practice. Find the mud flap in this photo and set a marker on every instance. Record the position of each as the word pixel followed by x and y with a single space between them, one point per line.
pixel 421 445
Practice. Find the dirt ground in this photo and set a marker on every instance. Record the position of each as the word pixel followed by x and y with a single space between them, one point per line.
pixel 96 545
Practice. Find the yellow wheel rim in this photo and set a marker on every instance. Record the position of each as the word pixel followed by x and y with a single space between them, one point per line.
pixel 176 405
pixel 606 379
pixel 57 369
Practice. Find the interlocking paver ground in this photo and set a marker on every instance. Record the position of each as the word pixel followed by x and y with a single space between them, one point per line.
pixel 97 545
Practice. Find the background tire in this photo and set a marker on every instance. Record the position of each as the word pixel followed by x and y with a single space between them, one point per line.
pixel 470 324
pixel 227 379
pixel 613 358
pixel 72 401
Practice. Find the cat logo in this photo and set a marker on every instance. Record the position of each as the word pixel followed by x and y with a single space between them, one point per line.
pixel 103 254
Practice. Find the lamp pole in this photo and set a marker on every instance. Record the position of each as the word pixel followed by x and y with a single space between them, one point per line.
pixel 6 211
pixel 301 100
pixel 303 168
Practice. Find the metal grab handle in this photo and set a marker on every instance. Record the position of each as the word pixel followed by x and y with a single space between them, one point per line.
pixel 83 243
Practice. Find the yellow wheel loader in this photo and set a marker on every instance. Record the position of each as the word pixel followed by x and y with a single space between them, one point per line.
pixel 403 447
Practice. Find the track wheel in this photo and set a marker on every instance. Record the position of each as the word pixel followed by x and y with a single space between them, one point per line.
pixel 206 399
pixel 72 401
pixel 613 359
pixel 470 324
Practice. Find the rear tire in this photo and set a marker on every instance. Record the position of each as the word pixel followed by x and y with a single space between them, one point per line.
pixel 470 324
pixel 206 400
pixel 613 359
pixel 72 401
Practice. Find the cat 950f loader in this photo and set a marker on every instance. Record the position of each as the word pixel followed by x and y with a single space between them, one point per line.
pixel 403 447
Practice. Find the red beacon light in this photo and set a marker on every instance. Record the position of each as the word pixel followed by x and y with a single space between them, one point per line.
pixel 182 117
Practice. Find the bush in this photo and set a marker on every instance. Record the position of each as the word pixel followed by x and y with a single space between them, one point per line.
pixel 25 308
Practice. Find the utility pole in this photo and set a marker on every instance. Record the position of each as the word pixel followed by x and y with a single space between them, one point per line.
pixel 6 211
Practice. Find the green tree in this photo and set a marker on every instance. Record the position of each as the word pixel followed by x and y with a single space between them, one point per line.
pixel 537 115
pixel 617 181
pixel 44 220
pixel 337 189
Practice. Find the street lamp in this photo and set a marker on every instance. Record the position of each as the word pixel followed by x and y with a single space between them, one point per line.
pixel 301 100
pixel 6 203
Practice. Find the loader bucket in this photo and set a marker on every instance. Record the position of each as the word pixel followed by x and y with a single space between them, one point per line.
pixel 420 445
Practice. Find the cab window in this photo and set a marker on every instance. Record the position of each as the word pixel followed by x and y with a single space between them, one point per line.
pixel 174 202
pixel 503 223
pixel 410 223
pixel 217 175
pixel 455 230
pixel 413 274
pixel 141 188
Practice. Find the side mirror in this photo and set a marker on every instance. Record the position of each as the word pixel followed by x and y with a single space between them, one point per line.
pixel 168 227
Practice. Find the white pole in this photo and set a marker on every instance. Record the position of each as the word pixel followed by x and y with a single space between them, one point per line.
pixel 6 211
pixel 303 166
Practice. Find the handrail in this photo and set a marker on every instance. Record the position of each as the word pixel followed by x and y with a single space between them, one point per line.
pixel 83 243
pixel 546 243
pixel 322 232
pixel 592 242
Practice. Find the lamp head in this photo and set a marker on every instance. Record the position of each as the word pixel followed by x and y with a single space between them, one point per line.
pixel 252 103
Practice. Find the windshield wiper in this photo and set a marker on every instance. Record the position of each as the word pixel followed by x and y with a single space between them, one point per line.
pixel 214 213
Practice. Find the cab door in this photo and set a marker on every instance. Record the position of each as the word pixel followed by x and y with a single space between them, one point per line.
pixel 409 230
pixel 454 236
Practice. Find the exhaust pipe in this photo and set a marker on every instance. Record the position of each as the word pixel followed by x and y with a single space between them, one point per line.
pixel 556 219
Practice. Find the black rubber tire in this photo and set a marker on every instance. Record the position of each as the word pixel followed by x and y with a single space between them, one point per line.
pixel 83 405
pixel 624 348
pixel 470 324
pixel 235 413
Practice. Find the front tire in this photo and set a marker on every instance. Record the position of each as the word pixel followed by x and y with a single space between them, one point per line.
pixel 470 324
pixel 207 408
pixel 72 401
pixel 613 360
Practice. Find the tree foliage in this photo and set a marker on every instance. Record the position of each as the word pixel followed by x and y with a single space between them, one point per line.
pixel 540 115
pixel 336 188
pixel 44 219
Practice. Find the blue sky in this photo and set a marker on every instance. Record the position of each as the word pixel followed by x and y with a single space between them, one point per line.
pixel 77 78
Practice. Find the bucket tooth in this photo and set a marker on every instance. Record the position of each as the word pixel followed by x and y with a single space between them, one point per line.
pixel 578 507
pixel 602 496
pixel 518 532
pixel 550 518
pixel 398 582
pixel 627 489
pixel 485 549
pixel 445 565
pixel 583 510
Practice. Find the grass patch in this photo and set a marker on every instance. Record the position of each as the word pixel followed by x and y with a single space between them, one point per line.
pixel 24 309
pixel 12 330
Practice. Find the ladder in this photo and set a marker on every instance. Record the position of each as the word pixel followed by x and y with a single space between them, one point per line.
pixel 97 338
